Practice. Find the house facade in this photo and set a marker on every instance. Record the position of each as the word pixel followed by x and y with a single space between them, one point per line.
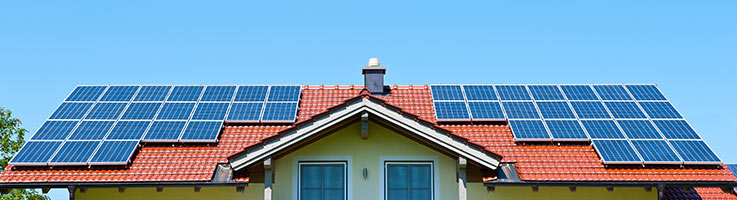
pixel 357 143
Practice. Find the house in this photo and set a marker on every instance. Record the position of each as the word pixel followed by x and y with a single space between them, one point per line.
pixel 355 143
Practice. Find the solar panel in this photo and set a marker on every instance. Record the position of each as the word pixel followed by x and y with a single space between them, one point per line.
pixel 279 112
pixel 185 93
pixel 245 112
pixel 451 111
pixel 625 110
pixel 144 111
pixel 655 151
pixel 733 168
pixel 590 110
pixel 119 93
pixel 91 130
pixel 54 130
pixel 645 92
pixel 555 110
pixel 152 93
pixel 128 130
pixel 74 153
pixel 114 152
pixel 480 92
pixel 202 131
pixel 210 111
pixel 694 151
pixel 520 110
pixel 71 111
pixel 639 129
pixel 660 110
pixel 513 92
pixel 86 93
pixel 616 152
pixel 579 92
pixel 602 129
pixel 165 131
pixel 612 92
pixel 36 153
pixel 676 129
pixel 486 110
pixel 251 93
pixel 529 130
pixel 447 92
pixel 106 111
pixel 566 130
pixel 176 111
pixel 284 93
pixel 218 93
pixel 546 92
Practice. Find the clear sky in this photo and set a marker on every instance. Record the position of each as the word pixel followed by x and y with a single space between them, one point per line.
pixel 689 48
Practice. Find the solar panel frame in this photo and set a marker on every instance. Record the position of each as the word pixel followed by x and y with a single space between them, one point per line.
pixel 71 110
pixel 74 153
pixel 574 92
pixel 625 110
pixel 521 110
pixel 676 129
pixel 286 93
pixel 590 110
pixel 278 112
pixel 141 110
pixel 660 110
pixel 55 130
pixel 251 93
pixel 602 129
pixel 639 129
pixel 218 93
pixel 513 93
pixel 176 111
pixel 616 152
pixel 119 93
pixel 451 111
pixel 486 111
pixel 201 131
pixel 447 93
pixel 530 130
pixel 566 130
pixel 555 110
pixel 186 93
pixel 480 92
pixel 157 93
pixel 91 130
pixel 695 152
pixel 114 152
pixel 645 92
pixel 612 92
pixel 86 93
pixel 244 116
pixel 654 152
pixel 211 111
pixel 128 130
pixel 546 92
pixel 106 111
pixel 36 153
pixel 164 131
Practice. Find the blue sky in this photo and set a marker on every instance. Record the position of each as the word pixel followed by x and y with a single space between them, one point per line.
pixel 689 48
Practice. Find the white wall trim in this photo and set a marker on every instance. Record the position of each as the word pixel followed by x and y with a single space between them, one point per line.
pixel 322 159
pixel 399 159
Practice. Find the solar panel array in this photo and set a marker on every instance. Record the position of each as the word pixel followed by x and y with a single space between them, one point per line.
pixel 103 125
pixel 627 124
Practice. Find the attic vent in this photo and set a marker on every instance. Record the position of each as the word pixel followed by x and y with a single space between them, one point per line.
pixel 373 77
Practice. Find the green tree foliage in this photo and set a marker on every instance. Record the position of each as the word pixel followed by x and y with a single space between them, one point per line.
pixel 12 140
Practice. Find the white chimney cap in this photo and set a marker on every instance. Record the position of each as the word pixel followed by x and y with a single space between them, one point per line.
pixel 373 62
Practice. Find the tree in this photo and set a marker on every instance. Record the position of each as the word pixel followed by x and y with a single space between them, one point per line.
pixel 11 141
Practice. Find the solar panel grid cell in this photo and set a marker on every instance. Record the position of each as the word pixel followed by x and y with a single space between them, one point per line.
pixel 114 152
pixel 36 152
pixel 74 153
pixel 555 110
pixel 106 111
pixel 579 92
pixel 602 129
pixel 590 110
pixel 520 110
pixel 284 93
pixel 86 93
pixel 218 93
pixel 185 93
pixel 480 92
pixel 54 130
pixel 165 131
pixel 128 130
pixel 612 92
pixel 566 130
pixel 529 130
pixel 676 129
pixel 205 131
pixel 91 130
pixel 616 151
pixel 152 93
pixel 546 92
pixel 486 110
pixel 280 112
pixel 660 110
pixel 176 111
pixel 645 92
pixel 695 151
pixel 142 111
pixel 447 92
pixel 625 110
pixel 655 151
pixel 71 111
pixel 639 129
pixel 513 92
pixel 210 111
pixel 251 93
pixel 119 93
pixel 245 112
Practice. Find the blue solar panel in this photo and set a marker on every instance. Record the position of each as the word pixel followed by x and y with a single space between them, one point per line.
pixel 590 110
pixel 645 92
pixel 694 151
pixel 210 111
pixel 245 112
pixel 284 93
pixel 165 131
pixel 128 130
pixel 119 93
pixel 145 111
pixel 555 110
pixel 202 131
pixel 616 151
pixel 185 93
pixel 676 129
pixel 546 92
pixel 86 93
pixel 521 110
pixel 639 129
pixel 612 92
pixel 513 92
pixel 479 92
pixel 447 92
pixel 74 153
pixel 152 93
pixel 602 129
pixel 106 111
pixel 71 111
pixel 36 152
pixel 566 130
pixel 579 92
pixel 655 151
pixel 54 130
pixel 625 110
pixel 114 153
pixel 251 93
pixel 176 111
pixel 218 93
pixel 91 130
pixel 660 110
pixel 486 110
pixel 529 130
pixel 733 168
pixel 451 110
pixel 279 112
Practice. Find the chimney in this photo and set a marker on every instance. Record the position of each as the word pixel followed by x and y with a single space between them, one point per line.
pixel 373 77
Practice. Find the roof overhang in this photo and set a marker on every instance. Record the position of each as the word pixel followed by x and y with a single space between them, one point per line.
pixel 614 183
pixel 375 108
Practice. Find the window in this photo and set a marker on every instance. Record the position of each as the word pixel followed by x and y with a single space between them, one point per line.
pixel 408 181
pixel 322 181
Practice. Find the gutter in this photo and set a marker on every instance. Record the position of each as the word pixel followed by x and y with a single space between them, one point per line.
pixel 614 183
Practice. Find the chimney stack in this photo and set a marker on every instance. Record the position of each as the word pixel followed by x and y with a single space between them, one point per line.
pixel 373 77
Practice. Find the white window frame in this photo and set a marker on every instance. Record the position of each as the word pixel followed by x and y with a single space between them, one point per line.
pixel 431 160
pixel 298 161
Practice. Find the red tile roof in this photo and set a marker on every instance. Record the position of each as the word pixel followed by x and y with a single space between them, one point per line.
pixel 535 162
